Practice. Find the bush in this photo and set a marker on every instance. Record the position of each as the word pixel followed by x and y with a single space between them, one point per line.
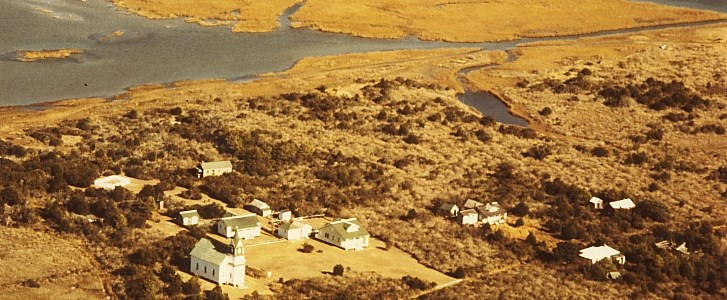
pixel 520 210
pixel 546 111
pixel 417 283
pixel 307 248
pixel 653 209
pixel 338 270
pixel 599 151
pixel 538 152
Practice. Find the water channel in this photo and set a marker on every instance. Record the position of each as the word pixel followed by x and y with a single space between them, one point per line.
pixel 160 51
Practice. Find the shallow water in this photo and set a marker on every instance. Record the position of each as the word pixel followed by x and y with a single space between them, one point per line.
pixel 159 51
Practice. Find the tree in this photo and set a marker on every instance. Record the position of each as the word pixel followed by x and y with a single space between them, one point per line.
pixel 653 209
pixel 192 287
pixel 215 294
pixel 338 270
pixel 9 195
pixel 521 209
pixel 145 286
pixel 566 251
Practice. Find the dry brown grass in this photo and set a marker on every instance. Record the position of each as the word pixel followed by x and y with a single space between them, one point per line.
pixel 243 15
pixel 61 267
pixel 32 55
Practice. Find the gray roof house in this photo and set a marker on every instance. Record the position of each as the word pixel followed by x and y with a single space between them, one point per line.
pixel 188 217
pixel 472 203
pixel 248 226
pixel 347 234
pixel 449 209
pixel 259 207
pixel 214 168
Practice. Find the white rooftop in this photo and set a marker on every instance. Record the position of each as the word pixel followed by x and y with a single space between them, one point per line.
pixel 596 200
pixel 598 253
pixel 623 204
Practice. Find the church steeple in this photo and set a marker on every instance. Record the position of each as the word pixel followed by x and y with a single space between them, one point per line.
pixel 236 248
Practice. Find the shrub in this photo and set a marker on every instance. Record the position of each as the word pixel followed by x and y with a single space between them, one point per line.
pixel 636 158
pixel 653 209
pixel 546 111
pixel 521 209
pixel 538 152
pixel 599 151
pixel 338 270
pixel 307 248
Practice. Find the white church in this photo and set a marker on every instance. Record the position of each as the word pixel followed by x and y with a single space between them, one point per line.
pixel 223 268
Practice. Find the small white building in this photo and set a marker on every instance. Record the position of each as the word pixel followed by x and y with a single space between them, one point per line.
pixel 215 168
pixel 491 213
pixel 347 234
pixel 449 209
pixel 622 204
pixel 596 254
pixel 222 267
pixel 285 215
pixel 188 217
pixel 597 202
pixel 247 226
pixel 111 182
pixel 295 230
pixel 260 208
pixel 467 217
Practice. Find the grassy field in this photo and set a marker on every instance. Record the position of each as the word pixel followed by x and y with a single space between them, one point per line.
pixel 61 268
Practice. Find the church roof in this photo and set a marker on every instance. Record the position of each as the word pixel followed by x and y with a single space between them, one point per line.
pixel 206 251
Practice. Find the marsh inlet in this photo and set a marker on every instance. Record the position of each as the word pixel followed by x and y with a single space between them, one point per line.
pixel 489 105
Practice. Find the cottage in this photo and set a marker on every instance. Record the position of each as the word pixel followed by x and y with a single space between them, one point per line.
pixel 285 215
pixel 597 202
pixel 467 217
pixel 222 267
pixel 215 168
pixel 622 204
pixel 347 234
pixel 449 210
pixel 295 230
pixel 188 217
pixel 247 226
pixel 259 207
pixel 472 203
pixel 491 213
pixel 596 254
pixel 111 182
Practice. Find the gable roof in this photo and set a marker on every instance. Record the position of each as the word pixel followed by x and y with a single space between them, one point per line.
pixel 598 253
pixel 206 251
pixel 342 227
pixel 241 222
pixel 623 204
pixel 259 204
pixel 216 165
pixel 596 200
pixel 448 206
pixel 468 212
pixel 189 213
pixel 490 209
pixel 294 225
pixel 472 203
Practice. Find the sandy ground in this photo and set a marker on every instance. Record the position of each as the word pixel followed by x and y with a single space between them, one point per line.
pixel 38 55
pixel 242 15
pixel 65 272
pixel 461 21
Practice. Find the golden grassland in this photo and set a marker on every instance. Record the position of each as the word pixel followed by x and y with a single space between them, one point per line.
pixel 243 15
pixel 693 56
pixel 61 267
pixel 458 21
pixel 443 160
pixel 38 55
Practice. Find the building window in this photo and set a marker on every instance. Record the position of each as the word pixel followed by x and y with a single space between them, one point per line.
pixel 326 235
pixel 205 269
pixel 197 266
pixel 213 272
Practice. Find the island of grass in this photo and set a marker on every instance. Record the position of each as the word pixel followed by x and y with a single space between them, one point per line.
pixel 46 54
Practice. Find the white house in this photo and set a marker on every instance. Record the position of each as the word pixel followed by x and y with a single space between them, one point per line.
pixel 597 202
pixel 467 217
pixel 215 168
pixel 259 207
pixel 247 226
pixel 111 182
pixel 449 209
pixel 622 204
pixel 188 217
pixel 222 267
pixel 596 254
pixel 491 213
pixel 294 230
pixel 285 215
pixel 347 234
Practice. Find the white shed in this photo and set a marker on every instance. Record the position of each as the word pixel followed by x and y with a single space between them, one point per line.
pixel 294 230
